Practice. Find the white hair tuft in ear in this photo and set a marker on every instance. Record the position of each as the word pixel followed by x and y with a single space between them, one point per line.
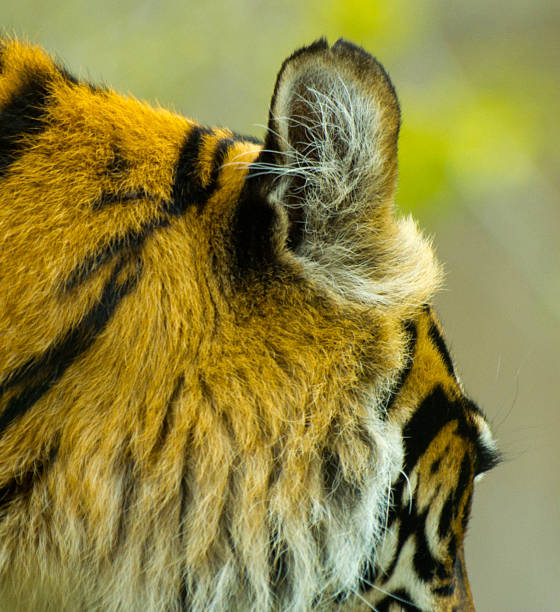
pixel 331 153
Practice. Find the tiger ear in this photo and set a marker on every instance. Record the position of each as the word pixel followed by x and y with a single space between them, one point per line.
pixel 333 128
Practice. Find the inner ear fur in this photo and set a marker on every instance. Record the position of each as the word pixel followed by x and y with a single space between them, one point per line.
pixel 330 160
pixel 333 128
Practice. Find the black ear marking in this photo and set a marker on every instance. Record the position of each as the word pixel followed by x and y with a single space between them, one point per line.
pixel 253 232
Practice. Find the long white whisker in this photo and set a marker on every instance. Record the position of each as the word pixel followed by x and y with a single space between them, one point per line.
pixel 370 606
pixel 388 594
pixel 409 491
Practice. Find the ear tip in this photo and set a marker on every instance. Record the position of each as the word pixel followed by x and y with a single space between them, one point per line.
pixel 317 46
pixel 348 52
pixel 343 43
pixel 343 60
pixel 342 49
pixel 346 49
pixel 355 55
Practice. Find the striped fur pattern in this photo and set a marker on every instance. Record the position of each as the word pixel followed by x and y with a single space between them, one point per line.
pixel 221 384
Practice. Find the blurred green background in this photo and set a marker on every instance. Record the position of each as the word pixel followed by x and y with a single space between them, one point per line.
pixel 479 88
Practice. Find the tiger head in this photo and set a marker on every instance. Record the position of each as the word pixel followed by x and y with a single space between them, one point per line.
pixel 222 386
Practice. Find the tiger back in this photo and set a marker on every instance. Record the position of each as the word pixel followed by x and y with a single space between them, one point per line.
pixel 222 385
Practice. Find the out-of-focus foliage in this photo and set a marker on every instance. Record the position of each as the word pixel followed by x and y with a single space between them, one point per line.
pixel 217 62
pixel 475 92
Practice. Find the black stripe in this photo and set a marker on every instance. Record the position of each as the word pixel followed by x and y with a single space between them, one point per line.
pixel 22 484
pixel 401 599
pixel 465 478
pixel 341 597
pixel 296 226
pixel 253 231
pixel 413 524
pixel 467 510
pixel 446 516
pixel 452 546
pixel 133 239
pixel 434 412
pixel 446 590
pixel 410 523
pixel 412 333
pixel 435 466
pixel 117 169
pixel 426 565
pixel 243 138
pixel 22 116
pixel 128 495
pixel 220 155
pixel 187 187
pixel 337 488
pixel 430 417
pixel 437 339
pixel 118 165
pixel 184 600
pixel 165 426
pixel 187 190
pixel 464 485
pixel 67 76
pixel 279 564
pixel 108 197
pixel 45 371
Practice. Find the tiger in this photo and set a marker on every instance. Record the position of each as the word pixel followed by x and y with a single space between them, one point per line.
pixel 223 384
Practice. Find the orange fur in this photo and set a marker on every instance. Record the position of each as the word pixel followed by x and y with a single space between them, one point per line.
pixel 186 401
